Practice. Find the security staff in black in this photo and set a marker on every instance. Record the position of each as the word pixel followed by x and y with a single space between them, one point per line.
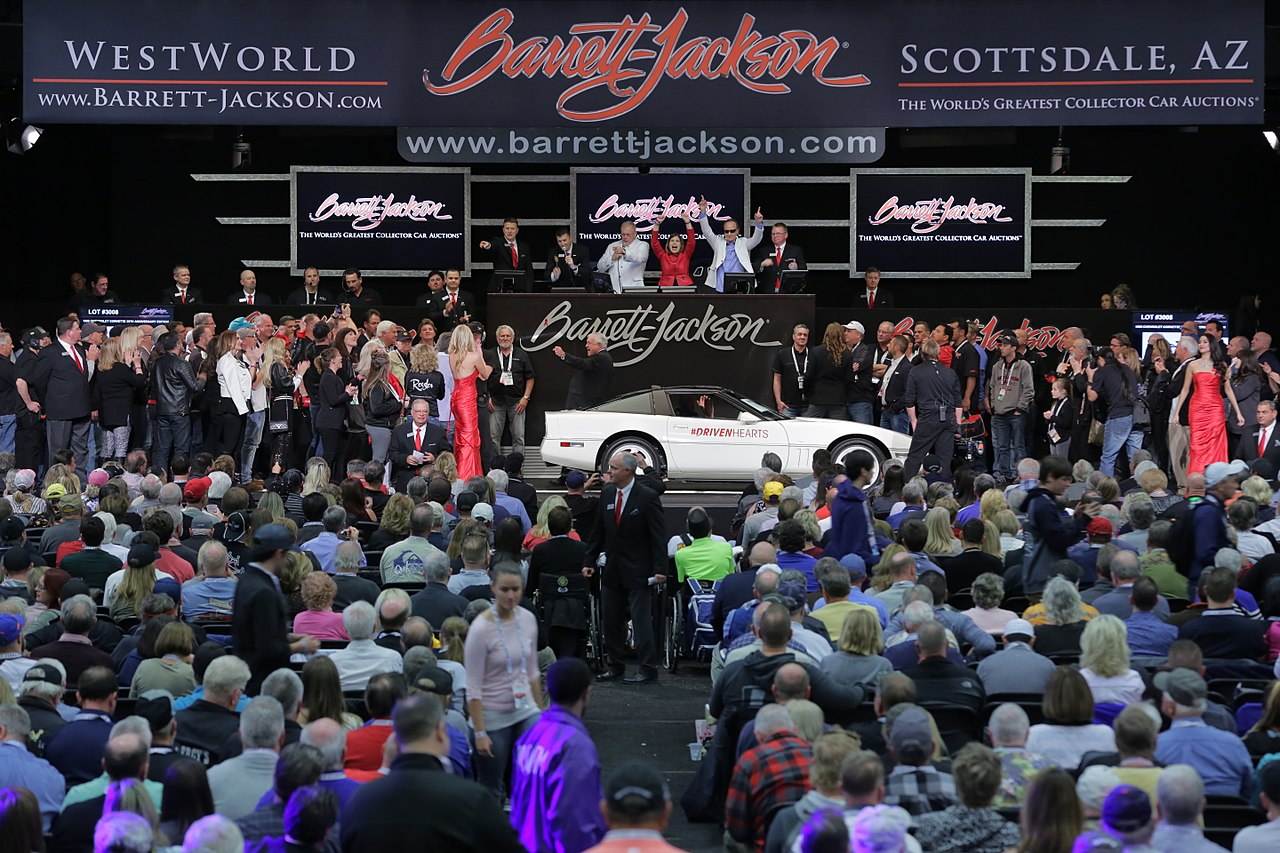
pixel 933 405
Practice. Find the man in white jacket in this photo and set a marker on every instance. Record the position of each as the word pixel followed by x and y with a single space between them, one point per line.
pixel 731 253
pixel 625 259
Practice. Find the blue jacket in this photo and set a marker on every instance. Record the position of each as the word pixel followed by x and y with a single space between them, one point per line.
pixel 555 786
pixel 1209 528
pixel 851 526
pixel 1050 532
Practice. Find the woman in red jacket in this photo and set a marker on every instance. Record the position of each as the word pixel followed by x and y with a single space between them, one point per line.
pixel 675 255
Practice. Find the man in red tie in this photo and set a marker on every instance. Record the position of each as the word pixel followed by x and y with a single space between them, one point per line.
pixel 415 443
pixel 778 257
pixel 875 295
pixel 248 294
pixel 182 293
pixel 450 305
pixel 512 260
pixel 1261 442
pixel 61 381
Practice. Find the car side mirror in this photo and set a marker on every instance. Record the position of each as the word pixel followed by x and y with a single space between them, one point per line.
pixel 747 418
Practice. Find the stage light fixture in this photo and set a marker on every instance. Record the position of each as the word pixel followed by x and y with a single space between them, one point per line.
pixel 241 153
pixel 1273 139
pixel 1059 157
pixel 20 137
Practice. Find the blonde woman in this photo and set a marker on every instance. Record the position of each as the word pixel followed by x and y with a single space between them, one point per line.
pixel 1008 526
pixel 990 504
pixel 447 467
pixel 858 659
pixel 282 381
pixel 991 539
pixel 424 381
pixel 467 363
pixel 317 476
pixel 136 581
pixel 539 532
pixel 119 378
pixel 364 364
pixel 1104 663
pixel 941 541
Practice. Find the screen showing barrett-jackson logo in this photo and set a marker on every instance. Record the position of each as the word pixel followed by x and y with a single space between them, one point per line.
pixel 393 221
pixel 938 223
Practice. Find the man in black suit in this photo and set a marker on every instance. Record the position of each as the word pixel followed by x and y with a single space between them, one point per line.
pixel 892 390
pixel 248 294
pixel 1263 442
pixel 511 258
pixel 415 443
pixel 310 293
pixel 1166 392
pixel 182 292
pixel 452 305
pixel 61 378
pixel 775 259
pixel 631 533
pixel 590 383
pixel 568 265
pixel 98 293
pixel 874 296
pixel 258 616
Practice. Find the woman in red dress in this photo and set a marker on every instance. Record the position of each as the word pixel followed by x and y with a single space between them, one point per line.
pixel 676 255
pixel 1203 389
pixel 467 363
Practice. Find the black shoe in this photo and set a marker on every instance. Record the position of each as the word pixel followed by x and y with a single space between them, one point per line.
pixel 612 675
pixel 643 676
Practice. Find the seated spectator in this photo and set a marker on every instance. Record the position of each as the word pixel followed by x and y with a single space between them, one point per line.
pixel 170 668
pixel 392 607
pixel 1134 759
pixel 1219 757
pixel 364 745
pixel 1124 571
pixel 1051 815
pixel 156 707
pixel 541 530
pixel 91 564
pixel 1221 632
pixel 350 587
pixel 704 558
pixel 319 620
pixel 309 818
pixel 902 576
pixel 73 649
pixel 394 526
pixel 322 695
pixel 1184 654
pixel 961 627
pixel 1148 635
pixel 46 607
pixel 123 760
pixel 1243 516
pixel 17 569
pixel 238 783
pixel 172 557
pixel 40 695
pixel 560 552
pixel 903 649
pixel 205 725
pixel 1180 795
pixel 363 658
pixel 313 509
pixel 915 783
pixel 475 564
pixel 12 663
pixel 971 826
pixel 299 765
pixel 791 541
pixel 20 822
pixel 774 772
pixel 1007 730
pixel 973 560
pixel 1092 787
pixel 1016 668
pixel 986 613
pixel 1128 817
pixel 1104 663
pixel 436 602
pixel 1064 619
pixel 1068 731
pixel 212 592
pixel 336 531
pixel 1264 737
pixel 21 769
pixel 126 589
pixel 1263 838
pixel 1035 614
pixel 1157 565
pixel 836 588
pixel 937 679
pixel 213 834
pixel 858 658
pixel 830 752
pixel 330 739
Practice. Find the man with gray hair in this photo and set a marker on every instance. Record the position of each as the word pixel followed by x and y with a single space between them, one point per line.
pixel 330 738
pixel 123 832
pixel 505 504
pixel 285 686
pixel 148 494
pixel 407 560
pixel 1125 569
pixel 767 776
pixel 124 762
pixel 205 726
pixel 238 783
pixel 213 834
pixel 913 500
pixel 1219 757
pixel 20 768
pixel 73 649
pixel 351 587
pixel 1180 793
pixel 40 694
pixel 1007 729
pixel 1167 391
pixel 590 382
pixel 336 531
pixel 510 387
pixel 902 573
pixel 363 658
pixel 435 602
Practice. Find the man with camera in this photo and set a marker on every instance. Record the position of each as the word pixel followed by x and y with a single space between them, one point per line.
pixel 1113 388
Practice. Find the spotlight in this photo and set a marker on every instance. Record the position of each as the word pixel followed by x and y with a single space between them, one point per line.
pixel 1273 139
pixel 1059 158
pixel 20 138
pixel 241 153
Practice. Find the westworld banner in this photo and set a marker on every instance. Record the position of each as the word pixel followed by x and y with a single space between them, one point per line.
pixel 724 63
pixel 602 200
pixel 942 223
pixel 654 339
pixel 392 221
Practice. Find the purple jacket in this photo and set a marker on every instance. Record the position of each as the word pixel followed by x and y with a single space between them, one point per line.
pixel 555 786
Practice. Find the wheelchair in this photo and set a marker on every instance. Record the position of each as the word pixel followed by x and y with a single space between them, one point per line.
pixel 570 611
pixel 686 630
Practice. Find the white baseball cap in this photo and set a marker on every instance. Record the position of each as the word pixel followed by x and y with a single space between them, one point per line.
pixel 856 326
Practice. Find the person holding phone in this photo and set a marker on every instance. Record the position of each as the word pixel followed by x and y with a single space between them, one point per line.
pixel 329 409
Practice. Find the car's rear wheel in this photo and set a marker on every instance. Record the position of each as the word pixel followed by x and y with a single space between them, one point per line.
pixel 845 446
pixel 635 444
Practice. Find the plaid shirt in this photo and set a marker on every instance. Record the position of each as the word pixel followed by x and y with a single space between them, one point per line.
pixel 774 772
pixel 920 790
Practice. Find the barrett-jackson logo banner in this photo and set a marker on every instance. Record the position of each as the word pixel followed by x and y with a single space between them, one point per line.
pixel 745 64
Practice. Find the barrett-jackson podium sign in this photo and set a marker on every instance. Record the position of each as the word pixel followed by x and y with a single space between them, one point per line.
pixel 590 68
pixel 654 339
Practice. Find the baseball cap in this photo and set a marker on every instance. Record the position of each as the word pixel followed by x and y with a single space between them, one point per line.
pixel 42 673
pixel 1094 784
pixel 1099 527
pixel 237 525
pixel 772 491
pixel 1264 468
pixel 404 335
pixel 70 503
pixel 1185 686
pixel 575 479
pixel 92 328
pixel 247 332
pixel 196 489
pixel 54 491
pixel 854 325
pixel 156 707
pixel 272 537
pixel 793 594
pixel 1008 338
pixel 10 627
pixel 635 788
pixel 1019 628
pixel 880 829
pixel 98 477
pixel 1127 809
pixel 33 337
pixel 11 529
pixel 141 555
pixel 854 565
pixel 932 463
pixel 239 324
pixel 466 501
pixel 17 560
pixel 437 514
pixel 1219 471
pixel 911 731
pixel 483 511
pixel 433 679
pixel 24 480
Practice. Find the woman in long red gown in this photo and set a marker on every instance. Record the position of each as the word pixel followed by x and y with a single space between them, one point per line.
pixel 467 362
pixel 1205 384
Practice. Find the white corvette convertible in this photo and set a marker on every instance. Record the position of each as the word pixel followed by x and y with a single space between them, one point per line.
pixel 706 433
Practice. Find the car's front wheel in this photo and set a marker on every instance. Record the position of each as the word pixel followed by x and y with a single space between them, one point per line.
pixel 635 444
pixel 845 446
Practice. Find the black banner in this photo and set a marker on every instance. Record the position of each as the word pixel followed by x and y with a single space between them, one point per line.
pixel 602 200
pixel 654 340
pixel 124 315
pixel 635 65
pixel 942 223
pixel 391 221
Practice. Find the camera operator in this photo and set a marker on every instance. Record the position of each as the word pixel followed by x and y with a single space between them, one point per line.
pixel 1113 387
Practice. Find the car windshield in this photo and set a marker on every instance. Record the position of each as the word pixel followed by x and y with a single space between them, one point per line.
pixel 749 405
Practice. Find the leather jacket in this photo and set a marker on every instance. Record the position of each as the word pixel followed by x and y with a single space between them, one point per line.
pixel 173 384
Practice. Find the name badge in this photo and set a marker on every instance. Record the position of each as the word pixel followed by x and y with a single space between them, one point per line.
pixel 505 378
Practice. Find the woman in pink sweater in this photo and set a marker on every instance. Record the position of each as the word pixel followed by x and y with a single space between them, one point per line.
pixel 676 255
pixel 319 620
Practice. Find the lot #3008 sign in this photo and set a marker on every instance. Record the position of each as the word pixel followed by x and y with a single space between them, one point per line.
pixel 393 221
